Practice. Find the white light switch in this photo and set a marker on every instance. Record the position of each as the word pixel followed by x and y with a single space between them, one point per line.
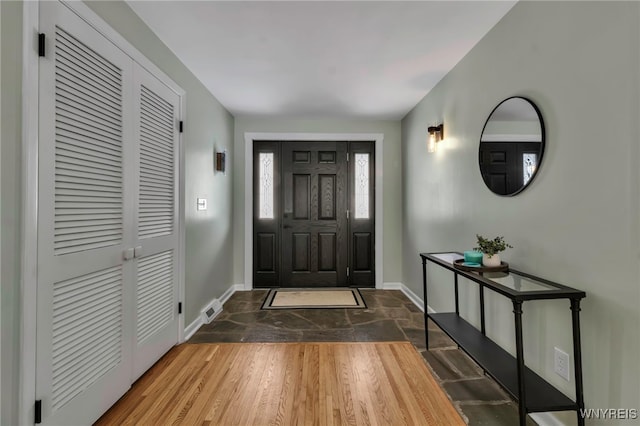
pixel 202 204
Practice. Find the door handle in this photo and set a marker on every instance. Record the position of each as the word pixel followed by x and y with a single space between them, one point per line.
pixel 286 227
pixel 128 254
pixel 137 252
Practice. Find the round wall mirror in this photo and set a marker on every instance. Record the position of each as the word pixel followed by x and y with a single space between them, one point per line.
pixel 511 146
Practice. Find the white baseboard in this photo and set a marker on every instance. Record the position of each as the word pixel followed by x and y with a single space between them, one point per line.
pixel 191 329
pixel 417 300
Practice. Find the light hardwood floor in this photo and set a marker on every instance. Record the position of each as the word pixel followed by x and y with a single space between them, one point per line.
pixel 287 384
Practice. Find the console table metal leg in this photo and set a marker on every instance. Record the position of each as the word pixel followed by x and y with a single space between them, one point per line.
pixel 424 293
pixel 577 356
pixel 455 282
pixel 482 328
pixel 522 402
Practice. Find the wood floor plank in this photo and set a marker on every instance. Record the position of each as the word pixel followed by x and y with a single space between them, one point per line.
pixel 323 384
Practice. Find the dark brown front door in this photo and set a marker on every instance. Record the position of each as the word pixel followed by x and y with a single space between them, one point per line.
pixel 306 237
pixel 314 219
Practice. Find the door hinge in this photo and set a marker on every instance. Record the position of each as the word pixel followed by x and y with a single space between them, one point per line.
pixel 181 126
pixel 38 412
pixel 347 156
pixel 179 307
pixel 41 38
pixel 347 214
pixel 347 271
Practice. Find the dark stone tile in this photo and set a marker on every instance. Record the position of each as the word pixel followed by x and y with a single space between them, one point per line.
pixel 363 316
pixel 248 296
pixel 240 306
pixel 414 321
pixel 387 301
pixel 462 363
pixel 344 335
pixel 383 331
pixel 482 389
pixel 416 337
pixel 286 319
pixel 268 334
pixel 452 364
pixel 396 313
pixel 432 325
pixel 247 318
pixel 223 326
pixel 411 307
pixel 204 337
pixel 438 339
pixel 439 365
pixel 493 414
pixel 326 318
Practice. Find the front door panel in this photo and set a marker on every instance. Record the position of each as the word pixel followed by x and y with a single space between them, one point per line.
pixel 314 217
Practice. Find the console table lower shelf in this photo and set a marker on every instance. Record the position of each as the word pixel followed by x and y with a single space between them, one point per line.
pixel 502 366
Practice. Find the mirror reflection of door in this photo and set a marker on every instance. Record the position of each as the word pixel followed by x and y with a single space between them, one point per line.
pixel 511 146
pixel 313 214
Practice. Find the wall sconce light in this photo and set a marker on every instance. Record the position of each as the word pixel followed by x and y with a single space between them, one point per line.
pixel 221 160
pixel 435 136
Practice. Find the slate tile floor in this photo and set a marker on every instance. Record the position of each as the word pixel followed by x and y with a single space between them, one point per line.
pixel 390 316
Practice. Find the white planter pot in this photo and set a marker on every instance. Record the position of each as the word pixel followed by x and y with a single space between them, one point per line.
pixel 490 260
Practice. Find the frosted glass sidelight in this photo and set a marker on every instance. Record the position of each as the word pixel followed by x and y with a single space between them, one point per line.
pixel 266 185
pixel 529 162
pixel 362 185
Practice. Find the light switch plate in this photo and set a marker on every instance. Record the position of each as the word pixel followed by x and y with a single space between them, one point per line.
pixel 201 204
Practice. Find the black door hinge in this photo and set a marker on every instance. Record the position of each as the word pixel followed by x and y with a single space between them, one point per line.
pixel 181 125
pixel 41 38
pixel 38 412
pixel 179 307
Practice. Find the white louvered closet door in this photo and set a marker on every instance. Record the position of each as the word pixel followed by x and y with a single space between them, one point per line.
pixel 156 221
pixel 84 353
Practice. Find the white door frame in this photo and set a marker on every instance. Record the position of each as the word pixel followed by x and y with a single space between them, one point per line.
pixel 29 231
pixel 249 137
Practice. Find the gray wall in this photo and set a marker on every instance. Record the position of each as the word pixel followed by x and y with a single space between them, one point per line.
pixel 391 178
pixel 579 222
pixel 208 234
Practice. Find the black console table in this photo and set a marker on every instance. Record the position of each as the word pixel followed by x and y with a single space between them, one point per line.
pixel 532 392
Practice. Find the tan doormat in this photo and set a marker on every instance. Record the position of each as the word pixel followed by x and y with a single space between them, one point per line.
pixel 314 298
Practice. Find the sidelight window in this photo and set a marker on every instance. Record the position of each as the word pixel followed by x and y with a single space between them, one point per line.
pixel 362 185
pixel 529 161
pixel 266 185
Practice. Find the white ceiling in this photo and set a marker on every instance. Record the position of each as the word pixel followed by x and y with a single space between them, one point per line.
pixel 349 59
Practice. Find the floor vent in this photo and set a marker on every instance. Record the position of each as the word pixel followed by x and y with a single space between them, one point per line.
pixel 211 311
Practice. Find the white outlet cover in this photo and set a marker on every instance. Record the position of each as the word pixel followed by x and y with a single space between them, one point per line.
pixel 561 363
pixel 201 204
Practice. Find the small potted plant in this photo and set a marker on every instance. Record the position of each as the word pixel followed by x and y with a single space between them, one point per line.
pixel 490 249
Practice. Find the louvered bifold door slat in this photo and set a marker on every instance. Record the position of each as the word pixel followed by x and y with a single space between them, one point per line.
pixel 157 165
pixel 84 288
pixel 156 126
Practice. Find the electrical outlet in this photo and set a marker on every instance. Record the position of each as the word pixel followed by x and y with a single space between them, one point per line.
pixel 561 363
